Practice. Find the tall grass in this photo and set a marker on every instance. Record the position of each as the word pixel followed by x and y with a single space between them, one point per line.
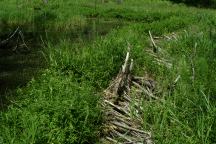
pixel 187 114
pixel 63 104
pixel 55 109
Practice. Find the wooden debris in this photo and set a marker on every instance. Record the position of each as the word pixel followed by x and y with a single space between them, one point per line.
pixel 123 99
pixel 176 80
pixel 155 47
pixel 149 94
pixel 16 37
pixel 121 125
pixel 171 36
pixel 172 86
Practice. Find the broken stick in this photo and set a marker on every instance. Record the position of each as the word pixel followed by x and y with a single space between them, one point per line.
pixel 155 48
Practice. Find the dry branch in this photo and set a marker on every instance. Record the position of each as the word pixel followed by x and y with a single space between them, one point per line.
pixel 155 48
pixel 112 140
pixel 130 128
pixel 117 107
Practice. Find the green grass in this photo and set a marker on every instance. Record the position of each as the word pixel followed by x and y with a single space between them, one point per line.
pixel 186 115
pixel 55 109
pixel 63 104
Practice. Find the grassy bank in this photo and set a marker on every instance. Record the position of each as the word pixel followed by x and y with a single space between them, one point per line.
pixel 63 104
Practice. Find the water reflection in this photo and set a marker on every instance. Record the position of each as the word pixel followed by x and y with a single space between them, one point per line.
pixel 17 68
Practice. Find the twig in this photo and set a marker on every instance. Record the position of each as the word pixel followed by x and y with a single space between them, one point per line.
pixel 167 37
pixel 145 82
pixel 157 37
pixel 126 97
pixel 130 128
pixel 144 90
pixel 116 113
pixel 174 36
pixel 121 135
pixel 117 107
pixel 127 121
pixel 131 65
pixel 167 64
pixel 176 80
pixel 134 142
pixel 126 63
pixel 155 48
pixel 112 140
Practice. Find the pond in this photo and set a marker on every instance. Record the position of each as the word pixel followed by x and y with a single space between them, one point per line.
pixel 17 68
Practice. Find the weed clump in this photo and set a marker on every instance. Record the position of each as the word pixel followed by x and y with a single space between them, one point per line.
pixel 53 109
pixel 62 105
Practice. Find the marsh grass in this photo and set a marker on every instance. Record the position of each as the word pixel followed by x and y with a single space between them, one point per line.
pixel 62 105
pixel 186 115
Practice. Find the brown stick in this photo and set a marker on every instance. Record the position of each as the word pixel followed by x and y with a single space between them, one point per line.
pixel 126 63
pixel 112 140
pixel 130 128
pixel 155 48
pixel 176 80
pixel 144 90
pixel 131 65
pixel 117 107
pixel 122 136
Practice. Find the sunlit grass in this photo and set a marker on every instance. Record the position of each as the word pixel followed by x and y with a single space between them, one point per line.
pixel 63 104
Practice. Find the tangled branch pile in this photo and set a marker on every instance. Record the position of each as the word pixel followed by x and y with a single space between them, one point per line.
pixel 123 100
pixel 123 124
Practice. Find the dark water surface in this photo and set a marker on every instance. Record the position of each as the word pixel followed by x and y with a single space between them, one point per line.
pixel 17 68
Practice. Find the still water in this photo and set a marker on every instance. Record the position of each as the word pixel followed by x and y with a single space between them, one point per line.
pixel 17 68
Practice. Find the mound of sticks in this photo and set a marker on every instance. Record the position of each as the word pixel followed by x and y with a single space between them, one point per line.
pixel 123 119
pixel 123 99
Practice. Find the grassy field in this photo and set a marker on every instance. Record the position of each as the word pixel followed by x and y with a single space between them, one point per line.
pixel 62 105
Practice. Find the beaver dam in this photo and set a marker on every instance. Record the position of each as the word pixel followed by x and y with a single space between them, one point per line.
pixel 107 72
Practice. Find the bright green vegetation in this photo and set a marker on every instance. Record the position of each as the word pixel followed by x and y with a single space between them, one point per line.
pixel 63 104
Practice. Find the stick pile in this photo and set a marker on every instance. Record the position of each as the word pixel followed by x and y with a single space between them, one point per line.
pixel 123 120
pixel 123 99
